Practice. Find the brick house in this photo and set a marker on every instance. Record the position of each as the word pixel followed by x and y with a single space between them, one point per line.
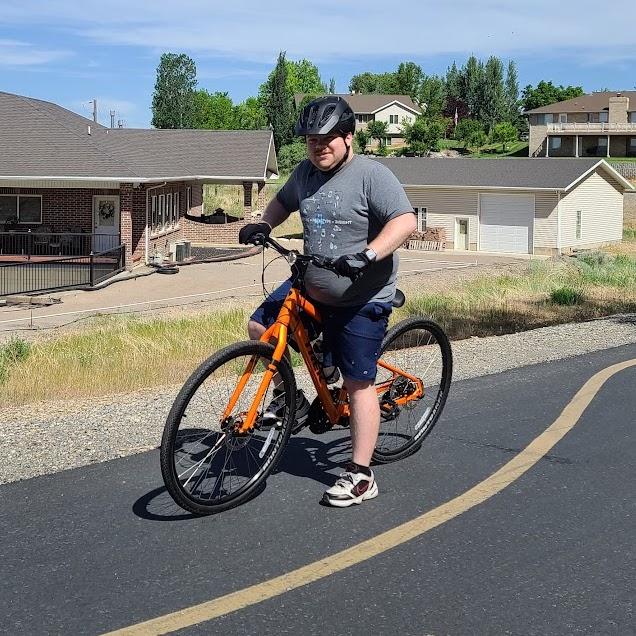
pixel 141 188
pixel 602 124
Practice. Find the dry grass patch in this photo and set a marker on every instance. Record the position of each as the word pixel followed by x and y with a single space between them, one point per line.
pixel 119 354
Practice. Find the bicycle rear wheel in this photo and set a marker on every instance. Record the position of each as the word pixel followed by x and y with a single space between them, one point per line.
pixel 418 348
pixel 207 464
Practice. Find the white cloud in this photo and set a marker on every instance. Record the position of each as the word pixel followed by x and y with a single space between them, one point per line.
pixel 333 30
pixel 15 53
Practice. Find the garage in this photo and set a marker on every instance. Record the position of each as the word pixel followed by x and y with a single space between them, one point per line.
pixel 506 222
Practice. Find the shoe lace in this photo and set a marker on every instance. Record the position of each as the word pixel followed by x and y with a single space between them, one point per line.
pixel 345 479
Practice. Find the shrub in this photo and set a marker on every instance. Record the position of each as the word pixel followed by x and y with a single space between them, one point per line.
pixel 291 155
pixel 566 296
pixel 16 350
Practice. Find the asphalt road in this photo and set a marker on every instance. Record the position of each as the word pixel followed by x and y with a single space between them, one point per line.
pixel 91 550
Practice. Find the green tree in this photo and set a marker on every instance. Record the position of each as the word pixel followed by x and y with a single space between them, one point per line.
pixel 384 83
pixel 364 83
pixel 512 94
pixel 303 77
pixel 472 79
pixel 250 115
pixel 172 99
pixel 432 96
pixel 278 103
pixel 504 133
pixel 424 134
pixel 454 82
pixel 492 106
pixel 408 79
pixel 378 130
pixel 332 86
pixel 547 93
pixel 471 132
pixel 290 155
pixel 214 111
pixel 361 138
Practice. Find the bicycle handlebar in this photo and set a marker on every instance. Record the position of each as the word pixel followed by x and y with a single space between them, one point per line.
pixel 294 256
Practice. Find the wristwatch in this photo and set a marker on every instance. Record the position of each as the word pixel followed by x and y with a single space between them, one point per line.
pixel 370 254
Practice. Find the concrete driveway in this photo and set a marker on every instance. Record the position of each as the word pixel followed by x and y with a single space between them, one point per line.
pixel 220 283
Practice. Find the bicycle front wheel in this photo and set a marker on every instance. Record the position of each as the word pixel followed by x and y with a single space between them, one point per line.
pixel 208 464
pixel 415 360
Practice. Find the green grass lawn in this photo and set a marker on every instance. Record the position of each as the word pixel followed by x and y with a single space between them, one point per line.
pixel 489 151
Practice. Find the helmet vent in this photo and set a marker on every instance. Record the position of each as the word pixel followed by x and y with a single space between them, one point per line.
pixel 326 114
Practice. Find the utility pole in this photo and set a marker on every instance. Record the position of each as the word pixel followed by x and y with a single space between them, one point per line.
pixel 94 102
pixel 112 118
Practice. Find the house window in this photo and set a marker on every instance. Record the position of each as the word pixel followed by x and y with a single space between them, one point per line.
pixel 175 209
pixel 154 216
pixel 563 118
pixel 21 208
pixel 579 220
pixel 603 117
pixel 632 118
pixel 631 150
pixel 421 218
pixel 168 218
pixel 388 141
pixel 555 143
pixel 393 119
pixel 602 142
pixel 162 212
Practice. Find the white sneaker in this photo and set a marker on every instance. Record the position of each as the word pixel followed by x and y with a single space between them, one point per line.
pixel 351 488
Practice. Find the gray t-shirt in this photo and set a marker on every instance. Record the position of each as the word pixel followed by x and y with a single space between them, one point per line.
pixel 341 214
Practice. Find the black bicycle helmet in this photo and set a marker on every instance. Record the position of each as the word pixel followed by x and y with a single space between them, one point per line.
pixel 325 115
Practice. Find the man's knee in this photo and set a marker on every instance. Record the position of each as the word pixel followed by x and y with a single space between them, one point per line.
pixel 353 386
pixel 255 330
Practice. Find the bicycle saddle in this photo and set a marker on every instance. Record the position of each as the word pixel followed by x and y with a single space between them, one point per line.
pixel 399 299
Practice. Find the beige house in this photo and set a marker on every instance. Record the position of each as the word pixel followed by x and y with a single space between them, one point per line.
pixel 516 206
pixel 392 109
pixel 598 125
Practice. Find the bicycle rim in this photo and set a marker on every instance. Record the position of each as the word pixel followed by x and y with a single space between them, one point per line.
pixel 207 464
pixel 420 349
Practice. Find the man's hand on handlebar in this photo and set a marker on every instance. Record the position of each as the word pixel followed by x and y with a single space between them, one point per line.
pixel 248 233
pixel 351 265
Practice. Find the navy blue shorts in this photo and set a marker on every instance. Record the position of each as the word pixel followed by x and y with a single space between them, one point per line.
pixel 352 336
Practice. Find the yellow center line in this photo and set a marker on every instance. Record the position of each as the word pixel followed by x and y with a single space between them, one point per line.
pixel 490 486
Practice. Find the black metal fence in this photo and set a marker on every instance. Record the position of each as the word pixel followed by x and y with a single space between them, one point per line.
pixel 38 243
pixel 60 273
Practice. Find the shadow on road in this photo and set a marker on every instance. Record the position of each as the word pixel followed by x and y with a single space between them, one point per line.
pixel 306 457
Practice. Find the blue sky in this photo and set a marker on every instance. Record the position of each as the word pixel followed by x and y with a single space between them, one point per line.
pixel 68 52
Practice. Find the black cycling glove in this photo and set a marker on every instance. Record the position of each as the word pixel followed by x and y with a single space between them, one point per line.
pixel 351 265
pixel 249 231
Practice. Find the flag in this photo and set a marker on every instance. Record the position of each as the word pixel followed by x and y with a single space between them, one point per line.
pixel 456 117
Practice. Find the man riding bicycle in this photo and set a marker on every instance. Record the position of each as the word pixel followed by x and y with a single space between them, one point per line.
pixel 354 211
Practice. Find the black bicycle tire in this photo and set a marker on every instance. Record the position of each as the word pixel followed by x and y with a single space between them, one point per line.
pixel 447 359
pixel 185 395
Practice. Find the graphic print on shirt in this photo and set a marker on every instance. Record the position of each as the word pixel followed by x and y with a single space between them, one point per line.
pixel 323 221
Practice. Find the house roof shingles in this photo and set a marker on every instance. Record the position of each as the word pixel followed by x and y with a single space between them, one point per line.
pixel 594 103
pixel 552 174
pixel 41 139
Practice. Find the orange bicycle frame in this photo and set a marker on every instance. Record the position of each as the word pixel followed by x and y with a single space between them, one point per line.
pixel 289 323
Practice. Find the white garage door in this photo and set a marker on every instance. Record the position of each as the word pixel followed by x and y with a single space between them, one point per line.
pixel 506 223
